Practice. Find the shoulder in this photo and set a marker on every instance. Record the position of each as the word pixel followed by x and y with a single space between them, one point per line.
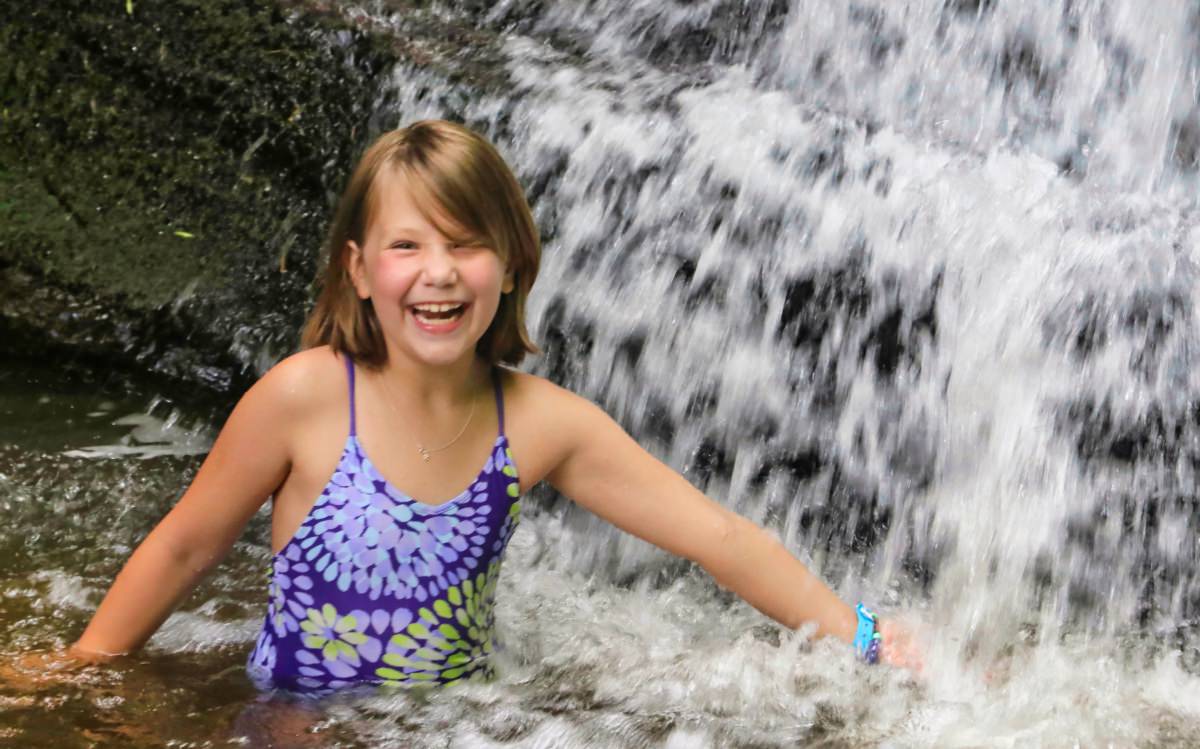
pixel 311 369
pixel 292 404
pixel 303 382
pixel 543 421
pixel 531 395
pixel 523 385
pixel 546 413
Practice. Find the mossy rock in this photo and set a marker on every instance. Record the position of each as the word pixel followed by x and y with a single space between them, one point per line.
pixel 166 171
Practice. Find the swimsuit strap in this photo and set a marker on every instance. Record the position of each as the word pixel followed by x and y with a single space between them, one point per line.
pixel 350 378
pixel 499 398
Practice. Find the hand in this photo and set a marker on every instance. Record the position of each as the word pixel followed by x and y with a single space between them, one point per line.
pixel 899 647
pixel 42 669
pixel 87 657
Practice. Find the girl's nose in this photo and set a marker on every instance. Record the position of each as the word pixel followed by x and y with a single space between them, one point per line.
pixel 440 269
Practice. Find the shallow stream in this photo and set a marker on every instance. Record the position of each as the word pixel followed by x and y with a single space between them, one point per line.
pixel 911 283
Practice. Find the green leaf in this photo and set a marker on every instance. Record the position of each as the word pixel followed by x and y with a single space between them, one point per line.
pixel 416 629
pixel 185 235
pixel 129 7
pixel 405 641
pixel 428 655
pixel 395 659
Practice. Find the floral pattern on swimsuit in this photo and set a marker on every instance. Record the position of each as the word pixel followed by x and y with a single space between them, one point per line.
pixel 377 588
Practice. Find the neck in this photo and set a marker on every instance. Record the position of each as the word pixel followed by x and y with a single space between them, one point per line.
pixel 441 386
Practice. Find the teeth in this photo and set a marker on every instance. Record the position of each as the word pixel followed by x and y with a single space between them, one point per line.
pixel 435 308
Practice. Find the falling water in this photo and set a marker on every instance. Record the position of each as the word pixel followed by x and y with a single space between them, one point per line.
pixel 909 283
pixel 893 279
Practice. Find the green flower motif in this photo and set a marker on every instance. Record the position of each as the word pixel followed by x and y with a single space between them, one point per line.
pixel 335 636
pixel 451 638
pixel 510 470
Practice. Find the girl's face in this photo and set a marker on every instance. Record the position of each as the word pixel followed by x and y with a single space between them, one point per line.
pixel 434 298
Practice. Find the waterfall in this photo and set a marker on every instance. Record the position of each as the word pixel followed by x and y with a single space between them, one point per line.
pixel 909 283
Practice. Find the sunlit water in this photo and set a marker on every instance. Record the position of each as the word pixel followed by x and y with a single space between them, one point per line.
pixel 911 283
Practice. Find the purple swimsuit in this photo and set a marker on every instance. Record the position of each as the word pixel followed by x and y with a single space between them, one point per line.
pixel 377 588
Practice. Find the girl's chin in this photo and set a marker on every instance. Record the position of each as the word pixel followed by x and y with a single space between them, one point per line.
pixel 438 355
pixel 421 350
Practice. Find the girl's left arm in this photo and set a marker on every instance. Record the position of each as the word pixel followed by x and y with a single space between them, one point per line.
pixel 603 469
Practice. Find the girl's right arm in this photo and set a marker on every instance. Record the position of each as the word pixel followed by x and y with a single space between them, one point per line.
pixel 248 461
pixel 589 458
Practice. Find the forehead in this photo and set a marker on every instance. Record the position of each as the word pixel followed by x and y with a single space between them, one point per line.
pixel 398 201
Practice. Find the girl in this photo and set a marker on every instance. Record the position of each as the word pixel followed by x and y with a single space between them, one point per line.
pixel 401 420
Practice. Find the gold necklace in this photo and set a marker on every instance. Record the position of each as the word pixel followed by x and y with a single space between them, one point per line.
pixel 427 452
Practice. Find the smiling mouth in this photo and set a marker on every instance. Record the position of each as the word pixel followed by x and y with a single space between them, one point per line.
pixel 438 314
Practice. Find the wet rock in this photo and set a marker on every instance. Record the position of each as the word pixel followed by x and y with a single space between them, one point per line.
pixel 1146 318
pixel 797 465
pixel 970 7
pixel 710 462
pixel 167 171
pixel 812 303
pixel 566 340
pixel 1185 137
pixel 1021 61
pixel 664 34
pixel 1159 434
pixel 848 520
pixel 886 40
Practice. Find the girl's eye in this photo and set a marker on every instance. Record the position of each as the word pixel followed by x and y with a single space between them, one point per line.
pixel 403 245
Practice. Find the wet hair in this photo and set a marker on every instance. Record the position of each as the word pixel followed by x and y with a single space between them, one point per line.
pixel 462 186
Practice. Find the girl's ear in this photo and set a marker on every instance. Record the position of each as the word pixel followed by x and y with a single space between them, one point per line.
pixel 509 283
pixel 354 268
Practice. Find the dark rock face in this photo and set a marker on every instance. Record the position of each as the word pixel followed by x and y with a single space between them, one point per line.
pixel 726 33
pixel 166 170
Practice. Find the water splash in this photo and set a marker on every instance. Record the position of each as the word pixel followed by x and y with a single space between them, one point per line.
pixel 150 437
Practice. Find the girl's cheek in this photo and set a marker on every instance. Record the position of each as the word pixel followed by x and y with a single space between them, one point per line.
pixel 487 269
pixel 394 273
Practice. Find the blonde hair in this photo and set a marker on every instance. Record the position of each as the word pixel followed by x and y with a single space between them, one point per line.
pixel 463 187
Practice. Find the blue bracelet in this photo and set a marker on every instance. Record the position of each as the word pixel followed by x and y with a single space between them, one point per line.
pixel 866 637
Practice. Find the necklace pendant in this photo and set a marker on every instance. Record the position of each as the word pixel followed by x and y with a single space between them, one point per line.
pixel 424 453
